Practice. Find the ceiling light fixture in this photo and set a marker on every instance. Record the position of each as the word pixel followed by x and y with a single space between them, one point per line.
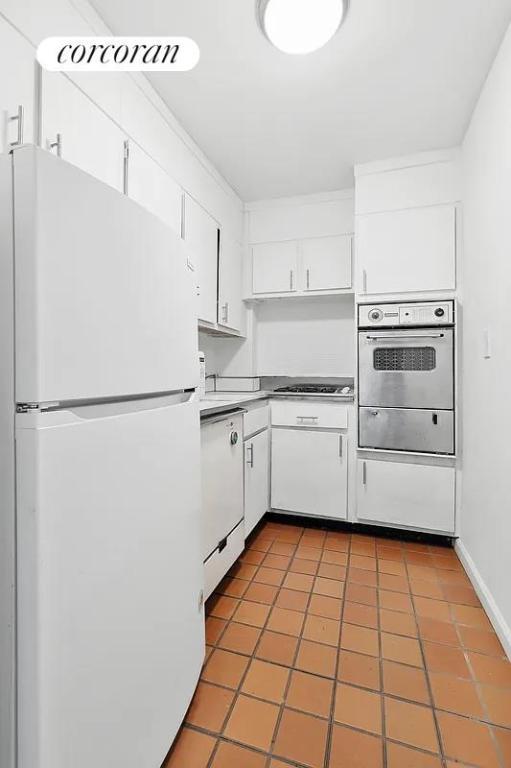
pixel 300 26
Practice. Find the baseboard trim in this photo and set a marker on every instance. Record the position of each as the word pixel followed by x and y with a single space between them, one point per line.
pixel 500 625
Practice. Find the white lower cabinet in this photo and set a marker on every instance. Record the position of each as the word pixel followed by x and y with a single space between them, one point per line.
pixel 407 495
pixel 310 472
pixel 257 477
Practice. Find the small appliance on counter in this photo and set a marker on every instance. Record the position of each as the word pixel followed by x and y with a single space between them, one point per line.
pixel 406 377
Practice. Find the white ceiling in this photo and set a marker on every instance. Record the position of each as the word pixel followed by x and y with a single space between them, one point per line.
pixel 401 76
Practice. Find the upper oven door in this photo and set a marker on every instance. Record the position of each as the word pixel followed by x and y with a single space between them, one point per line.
pixel 411 368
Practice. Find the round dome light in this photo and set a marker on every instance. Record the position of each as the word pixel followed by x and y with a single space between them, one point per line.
pixel 301 26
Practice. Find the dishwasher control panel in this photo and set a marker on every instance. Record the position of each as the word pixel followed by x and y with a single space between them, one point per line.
pixel 429 313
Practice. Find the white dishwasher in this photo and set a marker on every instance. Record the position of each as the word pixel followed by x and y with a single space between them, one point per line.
pixel 223 530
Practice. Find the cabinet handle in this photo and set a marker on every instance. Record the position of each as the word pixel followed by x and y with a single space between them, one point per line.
pixel 290 279
pixel 340 446
pixel 308 278
pixel 19 118
pixel 125 167
pixel 57 145
pixel 364 473
pixel 226 312
pixel 364 281
pixel 250 450
pixel 313 419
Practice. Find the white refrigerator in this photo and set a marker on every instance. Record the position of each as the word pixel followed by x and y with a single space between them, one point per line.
pixel 102 633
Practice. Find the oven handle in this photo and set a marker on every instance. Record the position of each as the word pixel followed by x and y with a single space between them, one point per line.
pixel 406 336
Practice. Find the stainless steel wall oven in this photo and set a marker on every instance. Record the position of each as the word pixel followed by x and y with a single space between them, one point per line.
pixel 406 377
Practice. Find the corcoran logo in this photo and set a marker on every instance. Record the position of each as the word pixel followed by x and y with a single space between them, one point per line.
pixel 118 54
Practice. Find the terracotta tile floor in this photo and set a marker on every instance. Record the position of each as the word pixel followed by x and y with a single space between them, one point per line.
pixel 337 650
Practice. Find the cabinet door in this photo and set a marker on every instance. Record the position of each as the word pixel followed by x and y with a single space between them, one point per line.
pixel 201 234
pixel 326 263
pixel 88 138
pixel 275 267
pixel 17 86
pixel 230 304
pixel 257 476
pixel 410 250
pixel 309 472
pixel 410 495
pixel 152 187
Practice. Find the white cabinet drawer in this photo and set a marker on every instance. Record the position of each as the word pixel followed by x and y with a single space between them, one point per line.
pixel 255 420
pixel 217 565
pixel 290 413
pixel 409 495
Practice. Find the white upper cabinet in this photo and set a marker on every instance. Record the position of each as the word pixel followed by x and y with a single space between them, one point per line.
pixel 200 232
pixel 326 263
pixel 407 250
pixel 76 129
pixel 405 226
pixel 275 267
pixel 17 88
pixel 302 246
pixel 148 184
pixel 230 304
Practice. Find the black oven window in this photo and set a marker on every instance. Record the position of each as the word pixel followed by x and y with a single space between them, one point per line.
pixel 404 359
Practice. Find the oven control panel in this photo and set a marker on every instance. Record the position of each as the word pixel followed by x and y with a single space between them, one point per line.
pixel 425 313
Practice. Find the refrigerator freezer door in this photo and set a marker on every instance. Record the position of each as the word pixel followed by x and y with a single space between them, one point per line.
pixel 104 298
pixel 111 633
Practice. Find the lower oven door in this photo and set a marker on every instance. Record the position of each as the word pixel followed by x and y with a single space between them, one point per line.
pixel 407 429
pixel 409 368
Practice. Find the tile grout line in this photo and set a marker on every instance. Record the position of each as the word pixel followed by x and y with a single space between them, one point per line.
pixel 380 648
pixel 328 749
pixel 442 755
pixel 237 692
pixel 295 657
pixel 306 614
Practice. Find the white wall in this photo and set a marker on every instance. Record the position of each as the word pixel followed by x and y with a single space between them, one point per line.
pixel 486 287
pixel 306 337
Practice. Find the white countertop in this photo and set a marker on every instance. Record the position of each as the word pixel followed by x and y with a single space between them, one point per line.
pixel 217 402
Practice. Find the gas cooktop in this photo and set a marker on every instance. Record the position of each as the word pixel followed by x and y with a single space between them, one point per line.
pixel 314 389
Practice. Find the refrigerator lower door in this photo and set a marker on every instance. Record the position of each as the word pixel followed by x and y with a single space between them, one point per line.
pixel 104 299
pixel 407 429
pixel 110 618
